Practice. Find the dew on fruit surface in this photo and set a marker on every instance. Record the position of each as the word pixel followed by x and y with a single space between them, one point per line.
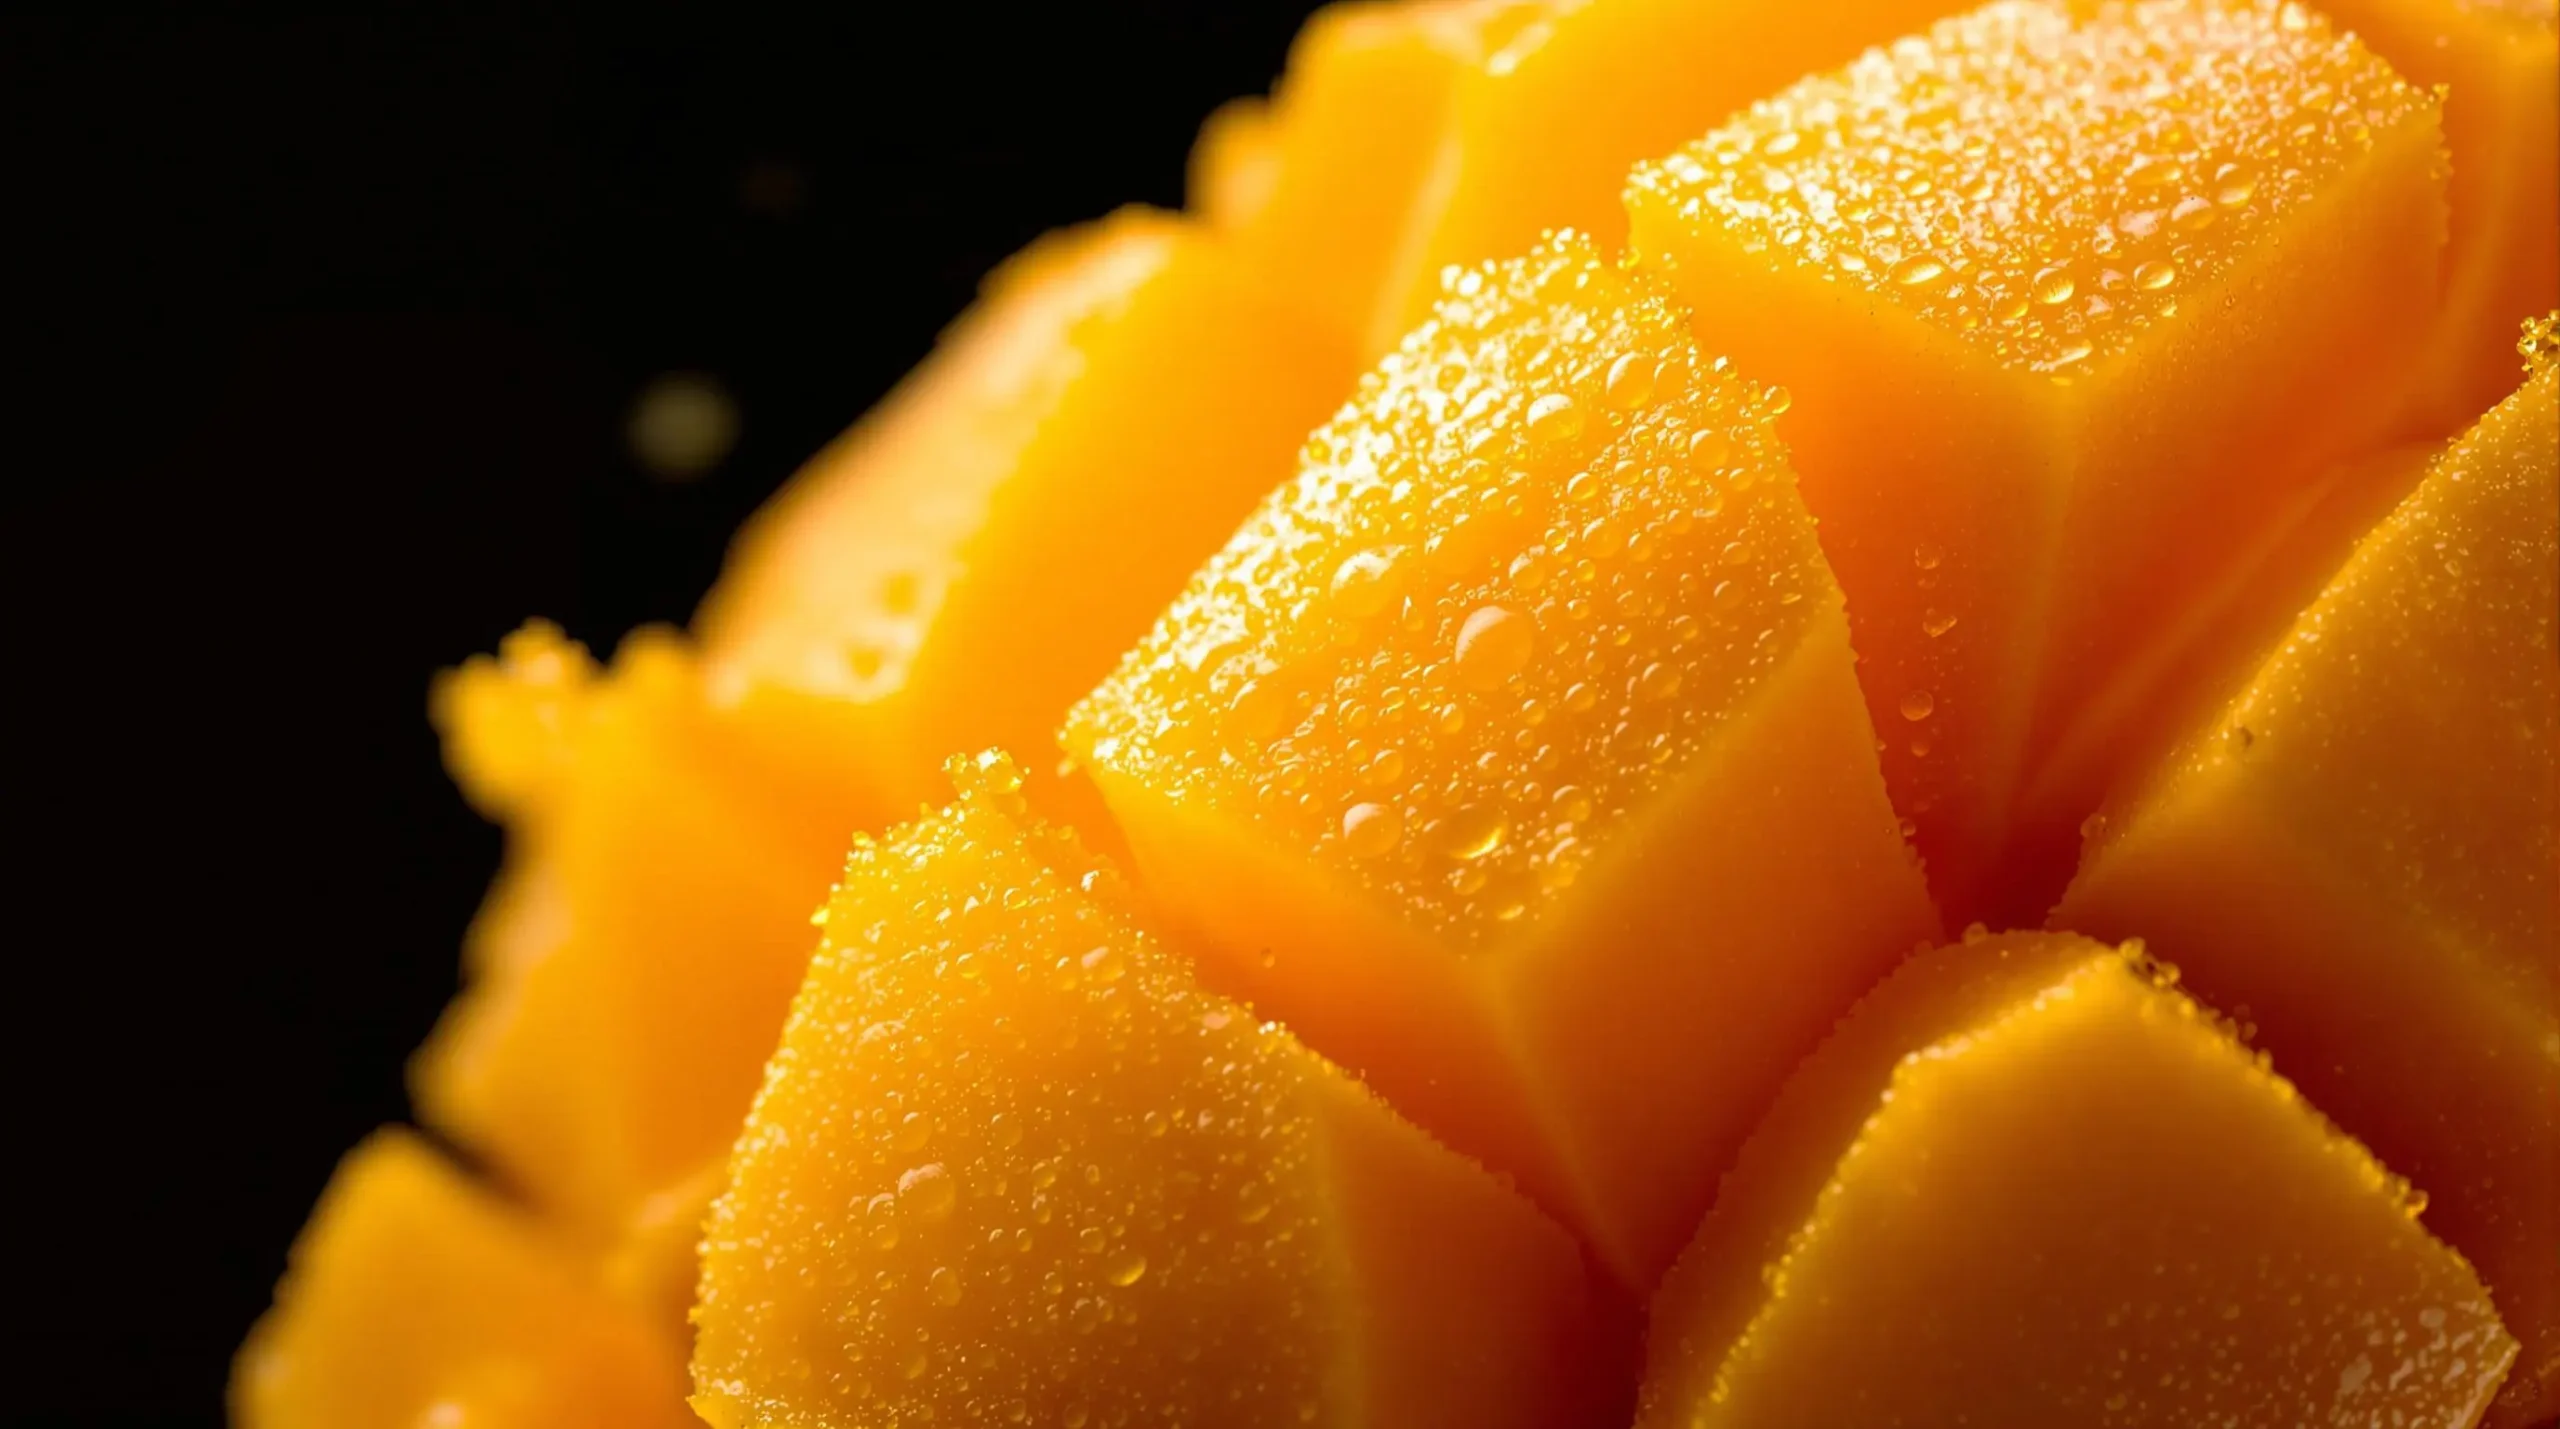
pixel 1935 622
pixel 1630 381
pixel 2054 286
pixel 1918 269
pixel 928 1193
pixel 1125 1269
pixel 1918 705
pixel 1927 557
pixel 1493 645
pixel 2154 275
pixel 1554 417
pixel 1474 833
pixel 1364 583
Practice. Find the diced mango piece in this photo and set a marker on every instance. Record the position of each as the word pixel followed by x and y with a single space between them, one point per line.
pixel 1355 130
pixel 2362 849
pixel 2074 300
pixel 1566 94
pixel 1411 137
pixel 416 1301
pixel 655 1262
pixel 974 554
pixel 632 969
pixel 1012 1166
pixel 2027 1182
pixel 2500 62
pixel 1514 755
pixel 1233 165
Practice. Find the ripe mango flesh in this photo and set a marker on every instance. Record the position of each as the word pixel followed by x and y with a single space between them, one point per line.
pixel 972 557
pixel 632 970
pixel 2363 850
pixel 2027 1182
pixel 1413 137
pixel 416 1300
pixel 1504 749
pixel 1011 1165
pixel 2058 291
pixel 2500 63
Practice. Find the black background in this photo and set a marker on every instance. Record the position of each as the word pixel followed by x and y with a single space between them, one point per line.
pixel 333 320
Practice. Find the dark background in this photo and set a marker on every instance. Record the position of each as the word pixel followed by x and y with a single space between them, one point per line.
pixel 336 319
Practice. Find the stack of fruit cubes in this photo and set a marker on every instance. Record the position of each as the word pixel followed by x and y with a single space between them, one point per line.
pixel 1433 745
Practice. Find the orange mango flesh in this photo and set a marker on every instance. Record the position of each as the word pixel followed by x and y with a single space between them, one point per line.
pixel 972 556
pixel 2073 300
pixel 416 1301
pixel 1011 1165
pixel 1499 749
pixel 2500 61
pixel 1234 164
pixel 2363 850
pixel 1412 137
pixel 631 971
pixel 2027 1182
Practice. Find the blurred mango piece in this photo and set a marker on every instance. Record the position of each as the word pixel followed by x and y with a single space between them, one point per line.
pixel 1513 753
pixel 2074 300
pixel 417 1301
pixel 1011 1166
pixel 2499 61
pixel 1411 137
pixel 633 965
pixel 972 555
pixel 2362 849
pixel 2029 1183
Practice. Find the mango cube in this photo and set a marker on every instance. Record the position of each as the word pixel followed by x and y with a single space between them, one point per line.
pixel 1411 137
pixel 2499 61
pixel 631 970
pixel 2362 848
pixel 415 1299
pixel 2027 1182
pixel 1513 752
pixel 973 555
pixel 1012 1166
pixel 2074 300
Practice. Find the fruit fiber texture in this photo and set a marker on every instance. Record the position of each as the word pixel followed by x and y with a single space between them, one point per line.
pixel 415 1298
pixel 2058 291
pixel 1011 1165
pixel 2028 1182
pixel 2362 849
pixel 1512 751
pixel 1954 432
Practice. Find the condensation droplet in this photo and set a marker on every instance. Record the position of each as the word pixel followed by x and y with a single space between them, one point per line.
pixel 1918 705
pixel 1372 830
pixel 1493 646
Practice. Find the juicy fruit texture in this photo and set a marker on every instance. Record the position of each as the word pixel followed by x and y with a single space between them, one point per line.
pixel 629 974
pixel 2058 291
pixel 2363 850
pixel 973 556
pixel 1012 1166
pixel 2027 1182
pixel 2500 61
pixel 1408 138
pixel 1513 752
pixel 415 1299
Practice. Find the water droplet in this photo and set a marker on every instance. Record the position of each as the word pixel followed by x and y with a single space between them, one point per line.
pixel 928 1193
pixel 1105 965
pixel 1927 557
pixel 2053 286
pixel 2191 215
pixel 2234 185
pixel 1125 1269
pixel 1934 623
pixel 1364 583
pixel 1472 833
pixel 914 1366
pixel 1253 1202
pixel 2155 275
pixel 1709 449
pixel 1921 268
pixel 1918 705
pixel 1659 681
pixel 1493 646
pixel 1371 830
pixel 943 1286
pixel 882 1214
pixel 1630 381
pixel 1776 400
pixel 2155 173
pixel 1554 418
pixel 1005 1130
